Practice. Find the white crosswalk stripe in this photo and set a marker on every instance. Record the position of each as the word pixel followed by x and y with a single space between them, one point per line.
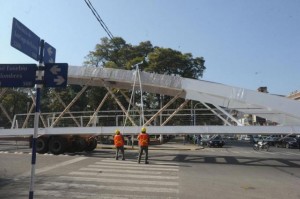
pixel 99 169
pixel 110 178
pixel 117 181
pixel 118 175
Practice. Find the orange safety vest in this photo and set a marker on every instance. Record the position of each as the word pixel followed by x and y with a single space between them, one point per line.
pixel 143 139
pixel 118 140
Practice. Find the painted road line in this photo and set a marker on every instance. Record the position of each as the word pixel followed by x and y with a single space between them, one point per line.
pixel 152 162
pixel 118 175
pixel 116 180
pixel 144 189
pixel 134 168
pixel 90 195
pixel 121 171
pixel 290 153
pixel 127 163
pixel 44 169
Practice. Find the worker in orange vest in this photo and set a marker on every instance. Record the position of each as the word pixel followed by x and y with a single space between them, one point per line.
pixel 119 144
pixel 144 141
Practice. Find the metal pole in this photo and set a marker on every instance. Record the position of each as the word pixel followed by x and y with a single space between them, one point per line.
pixel 39 82
pixel 195 117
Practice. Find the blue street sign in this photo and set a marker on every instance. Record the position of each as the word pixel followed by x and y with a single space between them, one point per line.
pixel 17 75
pixel 49 53
pixel 24 40
pixel 56 75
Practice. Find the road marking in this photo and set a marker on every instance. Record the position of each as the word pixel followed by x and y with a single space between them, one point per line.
pixel 272 153
pixel 118 175
pixel 135 164
pixel 62 185
pixel 256 152
pixel 120 171
pixel 72 194
pixel 224 151
pixel 44 169
pixel 105 165
pixel 90 195
pixel 116 180
pixel 289 153
pixel 41 170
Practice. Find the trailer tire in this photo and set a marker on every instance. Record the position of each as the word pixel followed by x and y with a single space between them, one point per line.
pixel 91 145
pixel 57 145
pixel 80 144
pixel 42 145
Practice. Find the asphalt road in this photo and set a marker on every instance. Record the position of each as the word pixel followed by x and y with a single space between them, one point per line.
pixel 234 172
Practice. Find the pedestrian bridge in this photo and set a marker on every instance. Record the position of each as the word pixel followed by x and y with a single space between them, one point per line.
pixel 230 104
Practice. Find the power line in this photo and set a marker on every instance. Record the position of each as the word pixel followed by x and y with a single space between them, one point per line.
pixel 94 11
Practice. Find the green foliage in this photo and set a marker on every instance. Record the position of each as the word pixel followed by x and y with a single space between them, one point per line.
pixel 116 53
pixel 14 101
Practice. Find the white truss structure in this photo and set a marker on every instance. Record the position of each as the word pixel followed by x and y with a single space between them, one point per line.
pixel 285 112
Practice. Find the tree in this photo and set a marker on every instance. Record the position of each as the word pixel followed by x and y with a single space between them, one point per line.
pixel 116 53
pixel 172 62
pixel 15 100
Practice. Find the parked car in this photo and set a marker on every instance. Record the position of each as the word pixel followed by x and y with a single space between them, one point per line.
pixel 287 142
pixel 215 141
pixel 272 139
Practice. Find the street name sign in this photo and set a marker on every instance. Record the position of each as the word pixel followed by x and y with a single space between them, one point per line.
pixel 17 75
pixel 49 53
pixel 25 40
pixel 56 75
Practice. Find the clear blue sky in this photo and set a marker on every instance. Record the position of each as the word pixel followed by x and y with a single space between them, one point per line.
pixel 246 43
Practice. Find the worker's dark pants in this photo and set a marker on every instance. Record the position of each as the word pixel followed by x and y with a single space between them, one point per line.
pixel 143 148
pixel 122 151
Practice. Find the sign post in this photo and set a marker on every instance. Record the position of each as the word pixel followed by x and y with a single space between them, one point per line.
pixel 39 84
pixel 28 75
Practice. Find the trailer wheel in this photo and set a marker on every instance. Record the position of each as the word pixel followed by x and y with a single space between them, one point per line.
pixel 91 145
pixel 80 144
pixel 57 145
pixel 42 145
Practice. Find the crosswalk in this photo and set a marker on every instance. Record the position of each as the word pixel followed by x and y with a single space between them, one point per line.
pixel 110 178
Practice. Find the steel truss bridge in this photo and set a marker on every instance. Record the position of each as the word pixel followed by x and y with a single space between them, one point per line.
pixel 230 105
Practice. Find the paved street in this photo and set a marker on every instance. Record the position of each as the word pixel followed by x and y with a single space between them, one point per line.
pixel 175 171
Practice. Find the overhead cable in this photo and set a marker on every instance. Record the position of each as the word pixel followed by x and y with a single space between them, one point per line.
pixel 94 11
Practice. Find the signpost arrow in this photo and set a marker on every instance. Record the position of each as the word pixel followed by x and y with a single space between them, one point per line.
pixel 56 75
pixel 54 70
pixel 49 53
pixel 59 80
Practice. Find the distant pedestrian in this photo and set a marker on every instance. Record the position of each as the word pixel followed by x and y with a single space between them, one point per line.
pixel 144 141
pixel 119 144
pixel 195 137
pixel 199 139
